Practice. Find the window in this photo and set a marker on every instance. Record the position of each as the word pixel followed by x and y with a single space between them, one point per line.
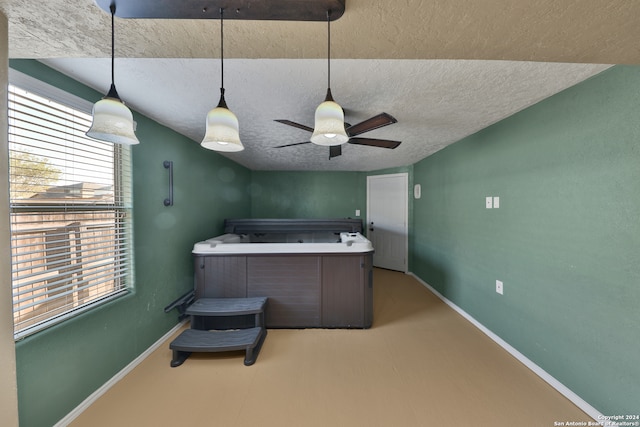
pixel 70 204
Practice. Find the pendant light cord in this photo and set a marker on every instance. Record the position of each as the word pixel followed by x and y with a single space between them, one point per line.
pixel 222 103
pixel 112 90
pixel 329 48
pixel 222 49
pixel 113 42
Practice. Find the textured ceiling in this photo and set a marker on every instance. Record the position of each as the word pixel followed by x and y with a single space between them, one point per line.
pixel 435 102
pixel 444 69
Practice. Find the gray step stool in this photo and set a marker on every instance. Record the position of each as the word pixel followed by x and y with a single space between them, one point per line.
pixel 197 340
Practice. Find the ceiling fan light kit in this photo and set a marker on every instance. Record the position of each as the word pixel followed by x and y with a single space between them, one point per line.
pixel 112 120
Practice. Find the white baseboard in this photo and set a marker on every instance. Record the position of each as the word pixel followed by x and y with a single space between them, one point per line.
pixel 117 377
pixel 561 388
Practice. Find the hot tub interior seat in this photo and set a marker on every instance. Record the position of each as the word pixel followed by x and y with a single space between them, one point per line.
pixel 294 237
pixel 271 225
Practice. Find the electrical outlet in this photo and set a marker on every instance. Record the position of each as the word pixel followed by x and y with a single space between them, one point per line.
pixel 499 287
pixel 357 212
pixel 489 202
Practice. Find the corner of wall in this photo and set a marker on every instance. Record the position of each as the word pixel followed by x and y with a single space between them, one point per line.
pixel 8 387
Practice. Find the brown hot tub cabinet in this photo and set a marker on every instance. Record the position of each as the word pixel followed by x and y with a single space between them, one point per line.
pixel 316 285
pixel 304 290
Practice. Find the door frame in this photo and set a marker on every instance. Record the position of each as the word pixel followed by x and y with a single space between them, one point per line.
pixel 405 176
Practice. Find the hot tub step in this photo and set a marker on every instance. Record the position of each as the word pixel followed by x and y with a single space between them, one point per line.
pixel 200 338
pixel 226 306
pixel 193 340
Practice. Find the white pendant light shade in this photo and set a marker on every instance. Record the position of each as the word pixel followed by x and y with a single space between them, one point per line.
pixel 222 131
pixel 329 125
pixel 112 122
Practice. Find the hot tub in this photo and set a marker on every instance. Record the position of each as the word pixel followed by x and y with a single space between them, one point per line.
pixel 316 273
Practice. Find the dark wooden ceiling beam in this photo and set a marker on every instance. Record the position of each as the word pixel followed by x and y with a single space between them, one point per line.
pixel 272 10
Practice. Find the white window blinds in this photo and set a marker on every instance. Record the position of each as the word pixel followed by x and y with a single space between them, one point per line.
pixel 70 197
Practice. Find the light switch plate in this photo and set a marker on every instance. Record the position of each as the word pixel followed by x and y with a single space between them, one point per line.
pixel 489 202
pixel 496 202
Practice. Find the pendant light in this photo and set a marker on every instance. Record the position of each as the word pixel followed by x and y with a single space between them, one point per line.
pixel 112 120
pixel 222 125
pixel 329 124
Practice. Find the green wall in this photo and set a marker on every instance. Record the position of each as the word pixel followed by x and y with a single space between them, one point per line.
pixel 316 194
pixel 565 240
pixel 308 194
pixel 61 366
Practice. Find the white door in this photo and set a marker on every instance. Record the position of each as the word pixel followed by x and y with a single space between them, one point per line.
pixel 387 220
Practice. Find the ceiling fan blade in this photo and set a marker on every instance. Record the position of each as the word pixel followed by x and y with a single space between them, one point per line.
pixel 335 151
pixel 295 125
pixel 382 143
pixel 291 145
pixel 375 122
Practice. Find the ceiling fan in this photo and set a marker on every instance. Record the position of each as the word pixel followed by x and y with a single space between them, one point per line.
pixel 375 122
